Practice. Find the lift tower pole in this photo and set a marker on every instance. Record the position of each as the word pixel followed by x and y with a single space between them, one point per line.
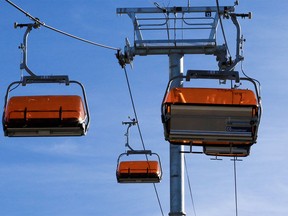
pixel 177 202
pixel 177 31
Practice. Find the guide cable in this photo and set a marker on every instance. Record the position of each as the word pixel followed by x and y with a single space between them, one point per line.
pixel 140 133
pixel 189 185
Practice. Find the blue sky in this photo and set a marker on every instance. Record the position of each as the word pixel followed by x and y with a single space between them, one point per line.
pixel 76 176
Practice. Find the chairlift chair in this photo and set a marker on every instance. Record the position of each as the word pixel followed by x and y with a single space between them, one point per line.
pixel 211 116
pixel 138 171
pixel 45 115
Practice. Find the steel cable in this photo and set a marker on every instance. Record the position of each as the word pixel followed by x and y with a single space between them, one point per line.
pixel 189 185
pixel 60 31
pixel 222 27
pixel 140 133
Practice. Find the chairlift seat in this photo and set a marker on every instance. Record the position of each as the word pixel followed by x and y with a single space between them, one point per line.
pixel 138 172
pixel 210 116
pixel 49 115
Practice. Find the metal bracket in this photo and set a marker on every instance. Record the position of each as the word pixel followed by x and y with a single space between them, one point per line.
pixel 216 159
pixel 126 57
pixel 239 40
pixel 236 159
pixel 129 123
pixel 191 151
pixel 24 45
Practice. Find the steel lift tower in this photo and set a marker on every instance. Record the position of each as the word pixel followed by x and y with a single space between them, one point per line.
pixel 178 31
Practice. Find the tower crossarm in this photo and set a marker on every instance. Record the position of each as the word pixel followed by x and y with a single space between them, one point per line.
pixel 185 30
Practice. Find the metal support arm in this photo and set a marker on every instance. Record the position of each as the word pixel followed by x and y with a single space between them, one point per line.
pixel 239 40
pixel 24 45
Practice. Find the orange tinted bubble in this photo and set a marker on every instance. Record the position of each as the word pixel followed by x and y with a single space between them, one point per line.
pixel 138 167
pixel 211 96
pixel 45 107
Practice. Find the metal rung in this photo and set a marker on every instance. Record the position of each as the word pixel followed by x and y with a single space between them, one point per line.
pixel 45 79
pixel 147 152
pixel 149 10
pixel 178 42
pixel 45 132
pixel 210 74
